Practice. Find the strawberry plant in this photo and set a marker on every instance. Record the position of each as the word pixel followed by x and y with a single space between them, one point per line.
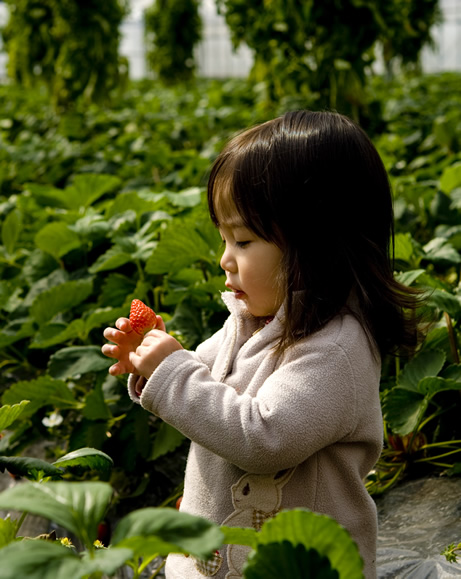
pixel 292 541
pixel 101 206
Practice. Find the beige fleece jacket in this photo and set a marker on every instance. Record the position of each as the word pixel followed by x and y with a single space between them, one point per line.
pixel 270 432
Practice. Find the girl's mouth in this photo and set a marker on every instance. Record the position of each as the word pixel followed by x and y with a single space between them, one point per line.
pixel 239 294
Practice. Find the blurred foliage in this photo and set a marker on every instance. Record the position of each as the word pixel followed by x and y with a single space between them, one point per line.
pixel 70 45
pixel 99 205
pixel 407 28
pixel 173 29
pixel 319 52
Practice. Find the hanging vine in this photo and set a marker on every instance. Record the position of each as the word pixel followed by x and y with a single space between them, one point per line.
pixel 69 45
pixel 319 53
pixel 173 29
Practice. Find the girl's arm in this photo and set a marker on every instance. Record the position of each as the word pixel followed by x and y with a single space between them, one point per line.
pixel 305 405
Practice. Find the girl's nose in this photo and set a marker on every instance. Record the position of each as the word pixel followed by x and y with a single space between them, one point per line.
pixel 227 262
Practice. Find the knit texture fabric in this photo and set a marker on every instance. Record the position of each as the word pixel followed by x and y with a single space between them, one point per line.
pixel 272 432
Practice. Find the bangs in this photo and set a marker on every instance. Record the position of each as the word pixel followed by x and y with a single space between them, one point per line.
pixel 238 187
pixel 222 206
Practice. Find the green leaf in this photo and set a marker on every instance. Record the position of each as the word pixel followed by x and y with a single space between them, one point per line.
pixel 451 178
pixel 58 333
pixel 166 440
pixel 11 229
pixel 429 386
pixel 188 321
pixel 8 530
pixel 47 195
pixel 445 302
pixel 38 560
pixel 57 239
pixel 31 468
pixel 91 226
pixel 95 406
pixel 60 298
pixel 440 251
pixel 403 409
pixel 77 506
pixel 455 197
pixel 44 560
pixel 180 246
pixel 164 530
pixel 240 536
pixel 425 363
pixel 403 247
pixel 318 532
pixel 452 372
pixel 41 392
pixel 88 188
pixel 409 277
pixel 77 360
pixel 455 469
pixel 15 331
pixel 103 316
pixel 8 414
pixel 185 198
pixel 284 559
pixel 130 201
pixel 86 459
pixel 106 561
pixel 115 289
pixel 113 258
pixel 43 280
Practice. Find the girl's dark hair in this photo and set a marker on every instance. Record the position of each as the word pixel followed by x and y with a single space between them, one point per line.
pixel 314 184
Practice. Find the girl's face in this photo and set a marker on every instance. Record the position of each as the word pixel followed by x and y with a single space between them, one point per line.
pixel 252 267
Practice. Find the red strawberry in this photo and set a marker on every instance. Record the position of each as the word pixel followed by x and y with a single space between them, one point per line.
pixel 142 318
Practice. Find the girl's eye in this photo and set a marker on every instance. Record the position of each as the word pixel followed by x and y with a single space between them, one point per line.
pixel 242 243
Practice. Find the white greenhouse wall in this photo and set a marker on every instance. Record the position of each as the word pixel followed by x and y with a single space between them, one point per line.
pixel 216 58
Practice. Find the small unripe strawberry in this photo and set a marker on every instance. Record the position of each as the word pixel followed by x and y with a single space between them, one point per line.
pixel 142 318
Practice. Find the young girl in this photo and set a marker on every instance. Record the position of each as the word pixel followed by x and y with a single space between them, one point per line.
pixel 282 404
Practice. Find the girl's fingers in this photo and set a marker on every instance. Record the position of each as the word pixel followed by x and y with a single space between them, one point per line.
pixel 124 325
pixel 113 335
pixel 115 370
pixel 160 324
pixel 110 351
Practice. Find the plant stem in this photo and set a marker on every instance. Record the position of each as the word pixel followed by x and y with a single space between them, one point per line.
pixel 140 269
pixel 447 444
pixel 452 338
pixel 20 521
pixel 159 568
pixel 431 458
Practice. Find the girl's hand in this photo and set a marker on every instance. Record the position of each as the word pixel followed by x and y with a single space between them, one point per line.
pixel 126 341
pixel 155 347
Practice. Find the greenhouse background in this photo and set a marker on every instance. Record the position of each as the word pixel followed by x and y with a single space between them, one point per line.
pixel 103 182
pixel 216 58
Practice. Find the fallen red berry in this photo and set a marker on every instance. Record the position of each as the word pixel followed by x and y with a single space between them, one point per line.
pixel 142 318
pixel 104 533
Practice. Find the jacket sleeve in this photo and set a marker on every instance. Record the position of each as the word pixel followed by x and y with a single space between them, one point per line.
pixel 205 352
pixel 308 403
